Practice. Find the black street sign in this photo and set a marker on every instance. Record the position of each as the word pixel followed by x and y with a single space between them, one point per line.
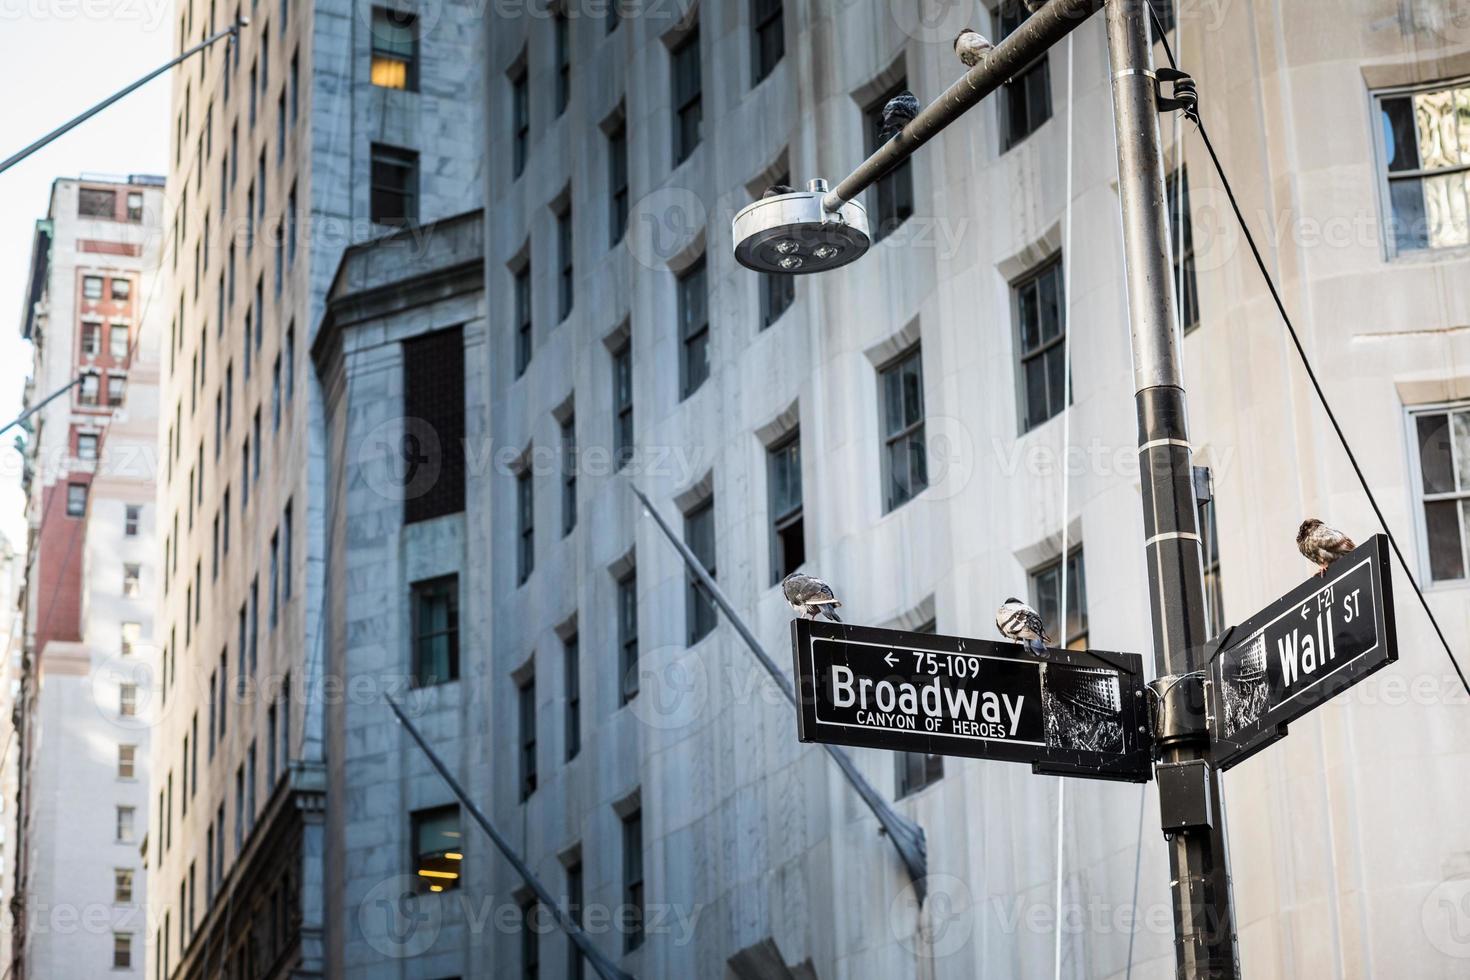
pixel 1306 647
pixel 1066 712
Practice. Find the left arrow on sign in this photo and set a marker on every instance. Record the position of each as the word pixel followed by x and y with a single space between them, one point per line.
pixel 889 659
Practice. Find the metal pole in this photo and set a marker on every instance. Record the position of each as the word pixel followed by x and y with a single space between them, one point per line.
pixel 1189 786
pixel 605 967
pixel 907 836
pixel 42 404
pixel 66 127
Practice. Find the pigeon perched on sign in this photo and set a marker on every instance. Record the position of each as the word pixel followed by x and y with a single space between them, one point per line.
pixel 1321 545
pixel 971 46
pixel 810 596
pixel 776 190
pixel 898 112
pixel 1018 621
pixel 1035 5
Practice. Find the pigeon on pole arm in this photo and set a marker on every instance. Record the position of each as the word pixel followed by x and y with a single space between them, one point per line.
pixel 776 190
pixel 810 596
pixel 1018 621
pixel 971 46
pixel 1321 545
pixel 898 112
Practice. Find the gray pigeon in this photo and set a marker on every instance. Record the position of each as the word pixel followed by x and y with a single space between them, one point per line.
pixel 971 46
pixel 1035 5
pixel 776 190
pixel 1320 544
pixel 898 112
pixel 810 596
pixel 1018 621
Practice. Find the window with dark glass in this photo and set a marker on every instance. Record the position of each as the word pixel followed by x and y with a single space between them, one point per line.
pixel 568 475
pixel 94 203
pixel 76 499
pixel 131 517
pixel 628 637
pixel 1443 435
pixel 431 462
pixel 520 122
pixel 688 95
pixel 526 705
pixel 768 36
pixel 115 387
pixel 121 288
pixel 1025 101
pixel 572 678
pixel 777 289
pixel 617 182
pixel 892 199
pixel 576 966
pixel 91 338
pixel 438 848
pixel 1046 590
pixel 788 541
pixel 395 190
pixel 633 881
pixel 917 770
pixel 699 534
pixel 395 49
pixel 905 460
pixel 566 278
pixel 525 526
pixel 436 630
pixel 1181 233
pixel 693 329
pixel 1041 340
pixel 1427 166
pixel 1210 545
pixel 622 361
pixel 523 319
pixel 563 30
pixel 530 941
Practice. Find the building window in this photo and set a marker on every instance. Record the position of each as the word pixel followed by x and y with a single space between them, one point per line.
pixel 91 287
pixel 699 534
pixel 622 362
pixel 86 445
pixel 693 329
pixel 1214 597
pixel 433 445
pixel 572 677
pixel 1443 436
pixel 917 770
pixel 122 886
pixel 520 122
pixel 617 182
pixel 523 318
pixel 133 513
pixel 1181 233
pixel 88 393
pixel 1046 588
pixel 438 847
pixel 127 700
pixel 688 96
pixel 127 756
pixel 92 203
pixel 122 951
pixel 1164 11
pixel 1041 340
pixel 525 526
pixel 633 880
pixel 905 460
pixel 132 573
pixel 526 703
pixel 395 49
pixel 123 824
pixel 893 197
pixel 768 37
pixel 130 634
pixel 122 288
pixel 115 387
pixel 566 278
pixel 562 28
pixel 778 290
pixel 576 966
pixel 1026 98
pixel 75 500
pixel 436 631
pixel 568 475
pixel 91 338
pixel 1427 168
pixel 788 540
pixel 135 206
pixel 530 941
pixel 395 178
pixel 117 342
pixel 628 637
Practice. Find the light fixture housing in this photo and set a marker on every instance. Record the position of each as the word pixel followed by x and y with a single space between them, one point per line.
pixel 793 234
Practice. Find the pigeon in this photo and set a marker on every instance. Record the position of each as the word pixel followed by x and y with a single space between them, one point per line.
pixel 1035 5
pixel 1320 544
pixel 776 190
pixel 971 46
pixel 898 112
pixel 810 596
pixel 1018 621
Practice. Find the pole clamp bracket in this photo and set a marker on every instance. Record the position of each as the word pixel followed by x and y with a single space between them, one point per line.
pixel 1177 708
pixel 1184 95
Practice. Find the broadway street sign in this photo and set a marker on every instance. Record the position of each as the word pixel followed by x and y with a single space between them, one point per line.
pixel 1065 712
pixel 1311 644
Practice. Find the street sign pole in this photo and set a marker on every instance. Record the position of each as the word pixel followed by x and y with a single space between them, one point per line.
pixel 1189 786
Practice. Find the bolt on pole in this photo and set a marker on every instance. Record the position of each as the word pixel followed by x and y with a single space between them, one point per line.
pixel 1189 786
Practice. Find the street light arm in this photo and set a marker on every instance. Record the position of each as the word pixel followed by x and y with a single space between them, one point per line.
pixel 71 124
pixel 1027 43
pixel 44 402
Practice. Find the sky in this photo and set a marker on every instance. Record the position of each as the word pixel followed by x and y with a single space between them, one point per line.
pixel 57 58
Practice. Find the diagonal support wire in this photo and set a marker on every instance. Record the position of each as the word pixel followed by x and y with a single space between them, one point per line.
pixel 605 968
pixel 907 836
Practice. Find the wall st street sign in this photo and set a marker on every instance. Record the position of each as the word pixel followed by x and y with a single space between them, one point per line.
pixel 1066 712
pixel 1308 646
